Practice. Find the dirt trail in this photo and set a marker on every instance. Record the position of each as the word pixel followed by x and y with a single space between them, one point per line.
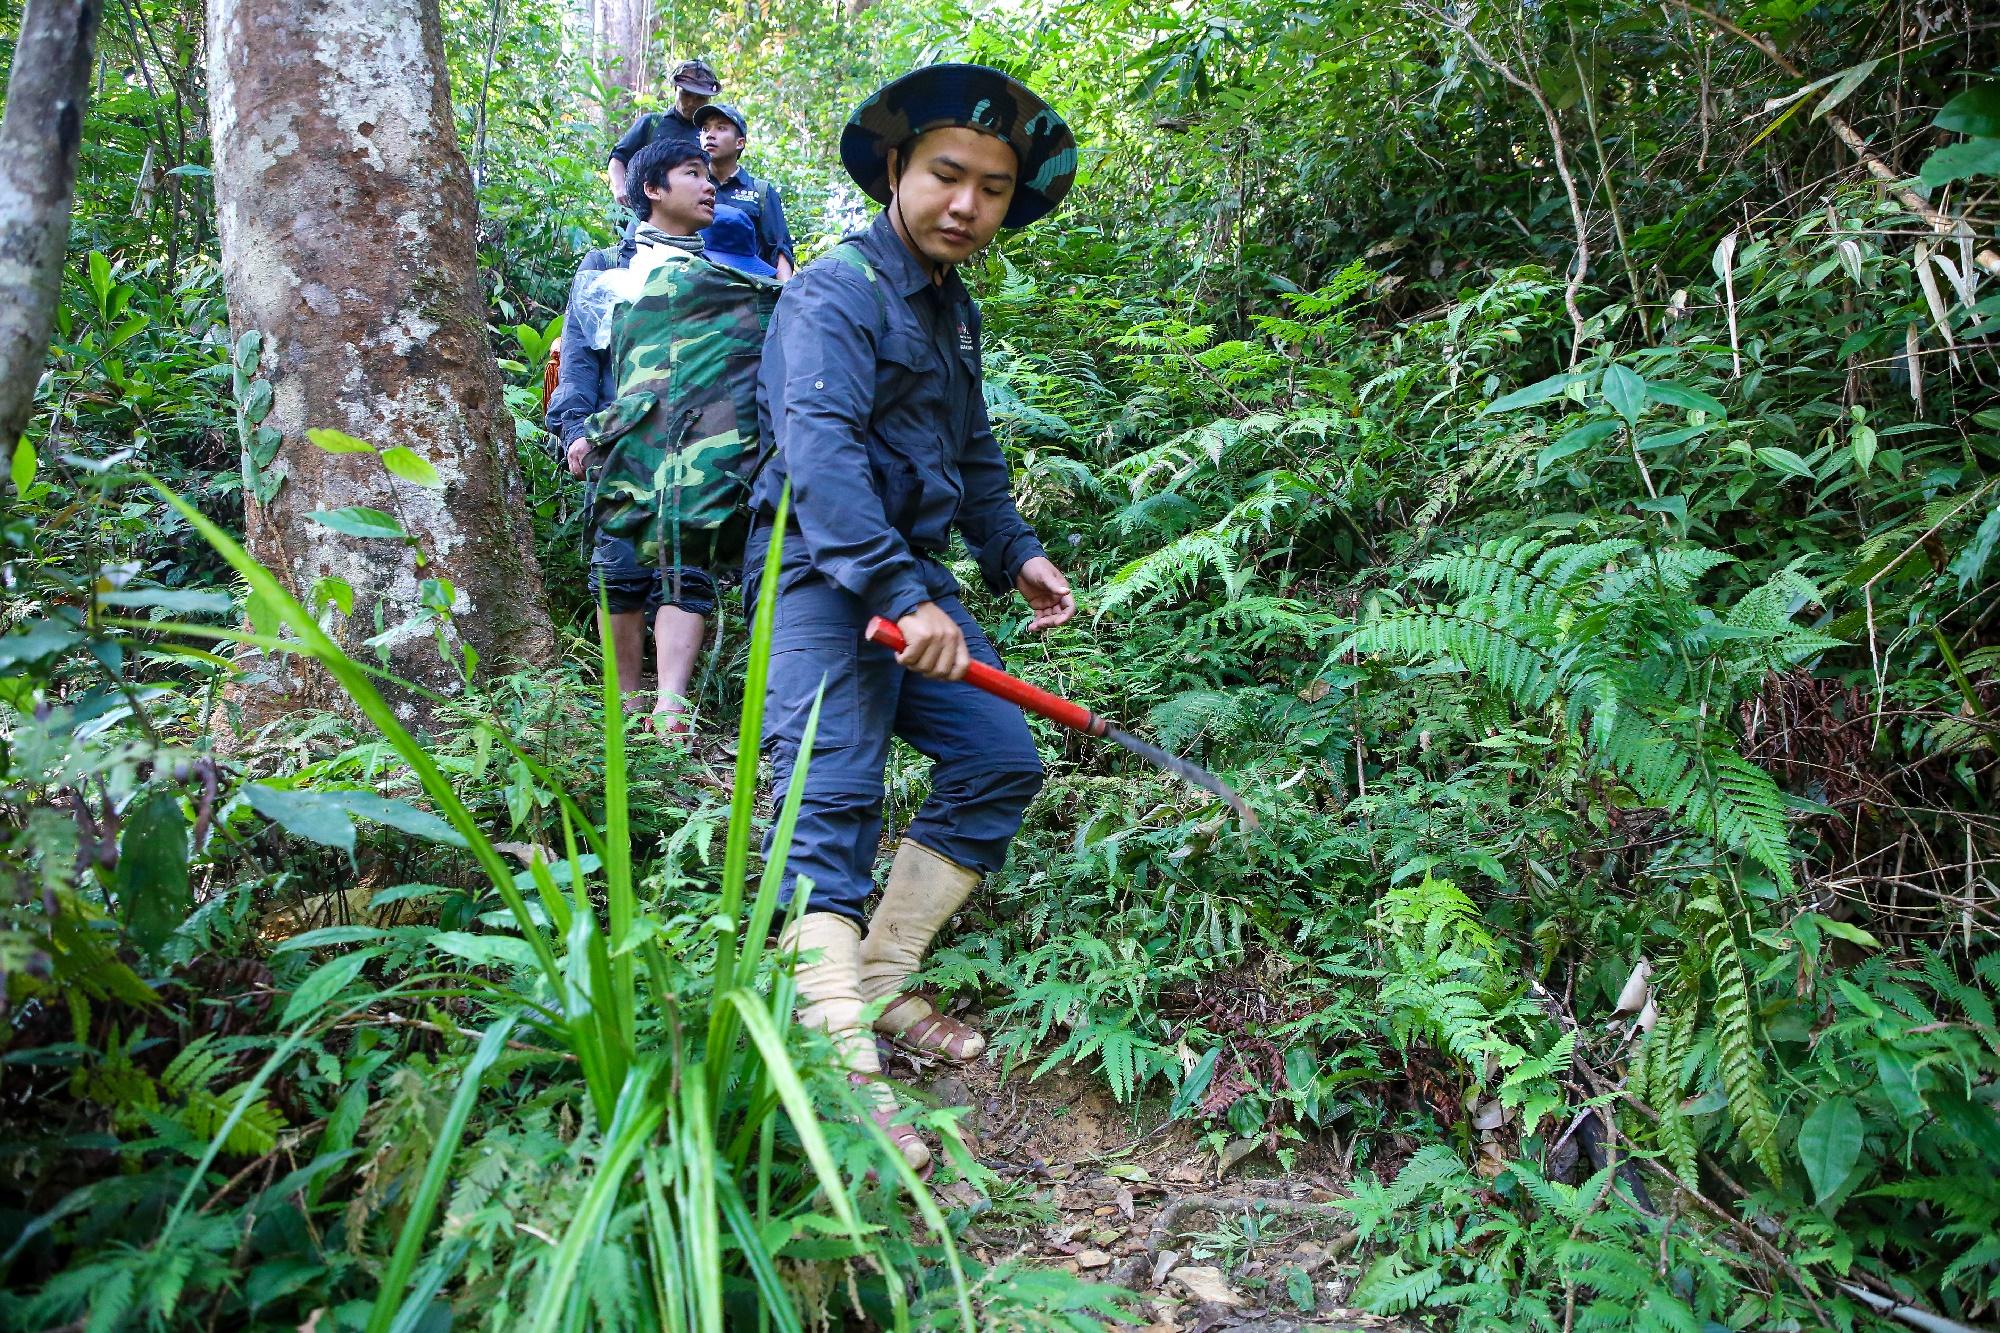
pixel 1124 1194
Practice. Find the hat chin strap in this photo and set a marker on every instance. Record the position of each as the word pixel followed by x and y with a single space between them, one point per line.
pixel 936 270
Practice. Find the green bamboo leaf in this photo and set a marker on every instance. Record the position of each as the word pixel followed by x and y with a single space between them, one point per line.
pixel 1784 460
pixel 1626 392
pixel 1539 392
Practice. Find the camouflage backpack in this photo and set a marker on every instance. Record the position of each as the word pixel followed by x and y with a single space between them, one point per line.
pixel 680 443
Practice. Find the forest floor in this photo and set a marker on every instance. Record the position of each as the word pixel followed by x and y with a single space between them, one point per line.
pixel 1212 1242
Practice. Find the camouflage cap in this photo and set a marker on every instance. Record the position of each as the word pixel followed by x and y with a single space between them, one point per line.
pixel 978 98
pixel 696 77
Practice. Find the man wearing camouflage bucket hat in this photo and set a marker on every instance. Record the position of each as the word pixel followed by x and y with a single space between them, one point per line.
pixel 870 389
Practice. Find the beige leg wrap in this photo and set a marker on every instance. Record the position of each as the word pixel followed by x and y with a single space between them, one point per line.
pixel 827 950
pixel 924 889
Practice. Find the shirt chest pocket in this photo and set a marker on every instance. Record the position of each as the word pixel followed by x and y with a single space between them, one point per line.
pixel 916 473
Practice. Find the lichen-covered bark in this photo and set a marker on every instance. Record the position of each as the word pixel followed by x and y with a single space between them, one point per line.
pixel 347 224
pixel 39 134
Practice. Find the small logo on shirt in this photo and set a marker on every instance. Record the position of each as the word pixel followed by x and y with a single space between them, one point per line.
pixel 965 338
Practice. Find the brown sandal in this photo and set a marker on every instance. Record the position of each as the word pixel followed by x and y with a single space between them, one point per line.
pixel 931 1032
pixel 882 1109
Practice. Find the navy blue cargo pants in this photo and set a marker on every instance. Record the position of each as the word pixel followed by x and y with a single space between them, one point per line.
pixel 984 766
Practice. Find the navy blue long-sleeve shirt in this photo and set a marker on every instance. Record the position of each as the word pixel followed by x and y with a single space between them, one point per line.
pixel 870 388
pixel 586 380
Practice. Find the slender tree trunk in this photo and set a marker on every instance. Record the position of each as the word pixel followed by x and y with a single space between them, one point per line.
pixel 347 226
pixel 39 134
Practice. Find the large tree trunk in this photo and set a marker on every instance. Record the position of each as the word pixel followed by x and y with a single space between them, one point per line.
pixel 347 225
pixel 628 42
pixel 39 135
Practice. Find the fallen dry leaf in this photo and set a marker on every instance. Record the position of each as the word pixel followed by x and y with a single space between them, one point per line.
pixel 1206 1285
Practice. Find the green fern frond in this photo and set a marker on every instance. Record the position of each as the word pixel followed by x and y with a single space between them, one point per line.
pixel 1736 1049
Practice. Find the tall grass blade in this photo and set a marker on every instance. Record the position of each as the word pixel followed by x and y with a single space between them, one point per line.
pixel 410 1242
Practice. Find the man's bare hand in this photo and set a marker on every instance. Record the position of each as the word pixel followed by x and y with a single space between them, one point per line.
pixel 1047 592
pixel 578 455
pixel 933 644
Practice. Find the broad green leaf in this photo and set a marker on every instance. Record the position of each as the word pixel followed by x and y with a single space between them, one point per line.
pixel 153 891
pixel 41 638
pixel 399 815
pixel 1576 441
pixel 1962 161
pixel 1971 560
pixel 330 979
pixel 316 816
pixel 412 467
pixel 1861 444
pixel 359 521
pixel 1976 111
pixel 338 441
pixel 1784 460
pixel 257 402
pixel 1693 399
pixel 181 601
pixel 328 936
pixel 1539 392
pixel 23 466
pixel 1830 1145
pixel 331 588
pixel 1626 392
pixel 485 950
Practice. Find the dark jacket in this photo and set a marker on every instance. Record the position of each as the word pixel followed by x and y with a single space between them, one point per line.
pixel 587 381
pixel 871 391
pixel 669 124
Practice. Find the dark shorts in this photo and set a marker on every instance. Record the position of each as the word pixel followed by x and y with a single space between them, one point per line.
pixel 631 585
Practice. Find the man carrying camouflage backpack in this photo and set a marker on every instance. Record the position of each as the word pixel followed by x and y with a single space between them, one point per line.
pixel 674 453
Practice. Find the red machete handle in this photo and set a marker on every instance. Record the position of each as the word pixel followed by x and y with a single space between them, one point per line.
pixel 1003 686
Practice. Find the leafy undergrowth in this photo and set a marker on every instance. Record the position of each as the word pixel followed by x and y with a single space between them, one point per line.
pixel 1612 663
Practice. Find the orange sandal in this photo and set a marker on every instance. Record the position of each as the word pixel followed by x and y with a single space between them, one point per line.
pixel 929 1032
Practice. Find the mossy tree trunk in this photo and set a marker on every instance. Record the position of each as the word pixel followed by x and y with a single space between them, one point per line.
pixel 348 242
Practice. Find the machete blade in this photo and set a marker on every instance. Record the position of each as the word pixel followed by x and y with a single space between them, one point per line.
pixel 1194 773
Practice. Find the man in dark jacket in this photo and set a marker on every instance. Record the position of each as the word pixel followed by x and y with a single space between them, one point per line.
pixel 724 132
pixel 694 83
pixel 871 390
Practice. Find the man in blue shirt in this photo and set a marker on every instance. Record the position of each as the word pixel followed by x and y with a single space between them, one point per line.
pixel 723 134
pixel 694 84
pixel 870 390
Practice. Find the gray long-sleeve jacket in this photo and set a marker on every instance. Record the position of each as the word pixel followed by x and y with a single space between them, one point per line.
pixel 871 391
pixel 587 380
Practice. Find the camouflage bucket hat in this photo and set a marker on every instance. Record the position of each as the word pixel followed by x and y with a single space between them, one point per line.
pixel 696 77
pixel 975 97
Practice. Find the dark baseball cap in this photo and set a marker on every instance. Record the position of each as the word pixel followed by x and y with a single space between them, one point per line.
pixel 696 77
pixel 975 97
pixel 727 112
